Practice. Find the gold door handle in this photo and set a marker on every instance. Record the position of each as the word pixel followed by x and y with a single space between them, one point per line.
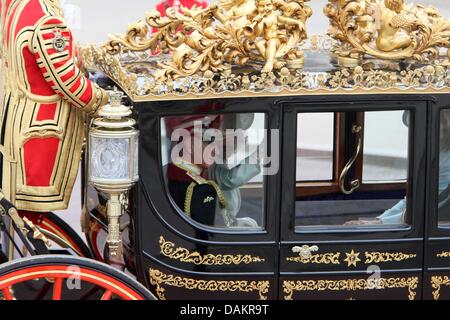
pixel 356 129
pixel 305 251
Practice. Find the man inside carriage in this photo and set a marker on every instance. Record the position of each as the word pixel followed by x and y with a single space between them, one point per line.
pixel 205 189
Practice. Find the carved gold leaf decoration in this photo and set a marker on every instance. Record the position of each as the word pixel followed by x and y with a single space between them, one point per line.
pixel 436 283
pixel 387 30
pixel 170 250
pixel 323 258
pixel 411 283
pixel 443 254
pixel 160 279
pixel 218 37
pixel 433 78
pixel 378 257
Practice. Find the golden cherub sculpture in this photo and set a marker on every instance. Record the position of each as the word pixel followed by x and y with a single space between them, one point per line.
pixel 228 33
pixel 386 29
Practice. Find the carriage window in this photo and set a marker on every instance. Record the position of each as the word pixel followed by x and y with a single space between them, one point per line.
pixel 444 170
pixel 385 161
pixel 212 168
pixel 315 155
pixel 370 156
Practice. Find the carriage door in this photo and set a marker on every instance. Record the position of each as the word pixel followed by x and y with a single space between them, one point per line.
pixel 352 214
pixel 437 248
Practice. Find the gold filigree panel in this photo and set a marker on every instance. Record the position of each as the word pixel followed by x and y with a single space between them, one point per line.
pixel 436 283
pixel 170 250
pixel 323 258
pixel 160 279
pixel 352 258
pixel 350 285
pixel 443 254
pixel 378 257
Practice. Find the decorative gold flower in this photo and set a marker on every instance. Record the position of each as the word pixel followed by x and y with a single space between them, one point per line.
pixel 352 258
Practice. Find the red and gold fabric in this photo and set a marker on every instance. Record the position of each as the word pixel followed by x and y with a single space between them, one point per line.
pixel 46 98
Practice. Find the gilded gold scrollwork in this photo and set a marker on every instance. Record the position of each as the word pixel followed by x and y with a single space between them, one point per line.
pixel 436 283
pixel 160 279
pixel 290 287
pixel 170 250
pixel 352 258
pixel 227 33
pixel 322 258
pixel 386 29
pixel 433 78
pixel 379 257
pixel 443 254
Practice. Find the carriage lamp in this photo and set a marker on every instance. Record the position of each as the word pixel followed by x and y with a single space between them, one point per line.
pixel 113 162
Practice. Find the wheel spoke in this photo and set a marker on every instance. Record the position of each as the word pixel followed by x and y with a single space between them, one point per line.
pixel 90 293
pixel 57 289
pixel 107 295
pixel 41 294
pixel 7 294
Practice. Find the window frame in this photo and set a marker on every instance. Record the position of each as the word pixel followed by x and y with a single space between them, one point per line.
pixel 320 187
pixel 417 148
pixel 263 229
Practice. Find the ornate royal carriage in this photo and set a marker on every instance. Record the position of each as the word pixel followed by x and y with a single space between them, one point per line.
pixel 359 120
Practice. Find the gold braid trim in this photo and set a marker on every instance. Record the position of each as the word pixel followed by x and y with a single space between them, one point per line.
pixel 160 279
pixel 222 200
pixel 188 198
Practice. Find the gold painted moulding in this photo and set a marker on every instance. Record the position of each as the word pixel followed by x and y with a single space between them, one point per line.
pixel 350 285
pixel 170 250
pixel 436 283
pixel 443 254
pixel 132 71
pixel 353 258
pixel 160 279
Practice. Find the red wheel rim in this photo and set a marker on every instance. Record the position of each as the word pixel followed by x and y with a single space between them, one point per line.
pixel 59 273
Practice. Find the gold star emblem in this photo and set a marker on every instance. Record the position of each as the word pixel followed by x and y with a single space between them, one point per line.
pixel 352 258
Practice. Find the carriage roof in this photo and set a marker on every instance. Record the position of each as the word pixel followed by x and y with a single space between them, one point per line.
pixel 182 58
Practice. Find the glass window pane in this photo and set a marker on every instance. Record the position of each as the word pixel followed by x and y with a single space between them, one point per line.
pixel 385 146
pixel 383 203
pixel 444 170
pixel 211 169
pixel 315 150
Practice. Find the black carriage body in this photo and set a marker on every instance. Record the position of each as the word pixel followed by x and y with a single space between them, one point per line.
pixel 178 258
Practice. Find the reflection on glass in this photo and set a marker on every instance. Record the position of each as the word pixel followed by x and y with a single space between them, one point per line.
pixel 212 170
pixel 385 146
pixel 380 203
pixel 315 154
pixel 444 169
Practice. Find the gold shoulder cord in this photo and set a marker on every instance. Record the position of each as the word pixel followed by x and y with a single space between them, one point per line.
pixel 188 199
pixel 222 200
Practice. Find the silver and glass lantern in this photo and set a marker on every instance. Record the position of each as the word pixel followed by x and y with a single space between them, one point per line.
pixel 113 162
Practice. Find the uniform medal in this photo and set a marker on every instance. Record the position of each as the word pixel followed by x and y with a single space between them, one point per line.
pixel 59 43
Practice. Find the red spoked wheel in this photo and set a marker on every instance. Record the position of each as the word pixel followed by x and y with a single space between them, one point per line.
pixel 62 277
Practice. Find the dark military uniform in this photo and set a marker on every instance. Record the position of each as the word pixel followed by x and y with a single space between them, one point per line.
pixel 196 196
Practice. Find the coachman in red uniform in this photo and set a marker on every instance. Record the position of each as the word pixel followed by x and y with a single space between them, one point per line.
pixel 45 99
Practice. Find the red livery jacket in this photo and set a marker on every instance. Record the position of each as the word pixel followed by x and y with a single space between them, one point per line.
pixel 45 97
